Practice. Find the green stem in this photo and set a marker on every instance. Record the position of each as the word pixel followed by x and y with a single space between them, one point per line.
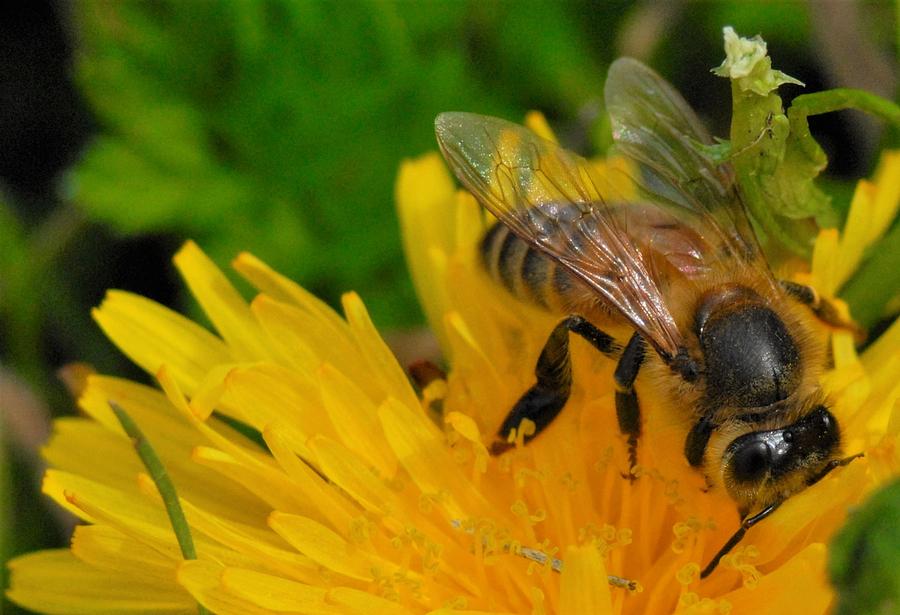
pixel 840 99
pixel 163 482
pixel 870 289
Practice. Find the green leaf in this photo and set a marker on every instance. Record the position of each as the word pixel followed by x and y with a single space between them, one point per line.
pixel 12 245
pixel 877 283
pixel 864 558
pixel 278 127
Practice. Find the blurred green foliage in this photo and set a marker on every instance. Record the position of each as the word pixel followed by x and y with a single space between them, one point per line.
pixel 864 560
pixel 277 127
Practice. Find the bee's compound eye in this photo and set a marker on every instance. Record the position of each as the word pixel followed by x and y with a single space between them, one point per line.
pixel 751 461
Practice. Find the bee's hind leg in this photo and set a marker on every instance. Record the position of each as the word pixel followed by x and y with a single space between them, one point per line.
pixel 628 410
pixel 543 401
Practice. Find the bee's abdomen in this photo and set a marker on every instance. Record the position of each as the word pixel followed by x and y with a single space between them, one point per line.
pixel 524 270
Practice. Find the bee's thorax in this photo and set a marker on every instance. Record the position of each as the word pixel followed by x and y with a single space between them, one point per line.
pixel 750 358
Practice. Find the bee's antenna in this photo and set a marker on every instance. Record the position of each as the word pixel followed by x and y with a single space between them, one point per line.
pixel 746 524
pixel 833 464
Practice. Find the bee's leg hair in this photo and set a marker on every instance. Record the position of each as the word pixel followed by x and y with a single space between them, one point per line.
pixel 821 307
pixel 543 401
pixel 627 409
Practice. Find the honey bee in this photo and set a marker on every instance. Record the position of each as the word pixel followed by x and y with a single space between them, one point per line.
pixel 678 263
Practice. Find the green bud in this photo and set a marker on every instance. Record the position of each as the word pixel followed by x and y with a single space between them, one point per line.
pixel 747 64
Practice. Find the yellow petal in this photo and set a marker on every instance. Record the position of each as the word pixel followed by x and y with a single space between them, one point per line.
pixel 826 502
pixel 288 331
pixel 887 198
pixel 468 429
pixel 235 457
pixel 326 504
pixel 126 511
pixel 108 549
pixel 825 262
pixel 154 530
pixel 306 338
pixel 476 386
pixel 355 419
pixel 152 335
pixel 537 123
pixel 346 471
pixel 326 547
pixel 424 194
pixel 284 290
pixel 363 602
pixel 583 586
pixel 880 358
pixel 799 586
pixel 381 362
pixel 273 487
pixel 113 462
pixel 147 406
pixel 202 579
pixel 247 546
pixel 208 396
pixel 278 395
pixel 275 593
pixel 73 436
pixel 222 303
pixel 57 582
pixel 228 440
pixel 470 228
pixel 421 451
pixel 857 233
pixel 873 208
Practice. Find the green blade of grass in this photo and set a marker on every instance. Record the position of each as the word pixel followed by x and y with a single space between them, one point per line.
pixel 163 483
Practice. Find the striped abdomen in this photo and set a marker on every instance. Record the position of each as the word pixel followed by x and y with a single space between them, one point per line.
pixel 529 274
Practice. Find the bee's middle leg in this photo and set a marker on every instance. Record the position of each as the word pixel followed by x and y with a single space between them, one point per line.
pixel 628 410
pixel 824 309
pixel 545 399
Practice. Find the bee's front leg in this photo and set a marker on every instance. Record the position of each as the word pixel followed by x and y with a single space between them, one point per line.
pixel 545 399
pixel 824 309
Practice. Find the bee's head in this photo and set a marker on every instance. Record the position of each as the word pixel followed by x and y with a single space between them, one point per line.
pixel 761 467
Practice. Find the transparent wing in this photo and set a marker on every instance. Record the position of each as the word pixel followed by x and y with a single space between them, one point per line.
pixel 554 200
pixel 654 126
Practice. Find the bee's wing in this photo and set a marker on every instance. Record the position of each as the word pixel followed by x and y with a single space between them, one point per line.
pixel 553 199
pixel 654 126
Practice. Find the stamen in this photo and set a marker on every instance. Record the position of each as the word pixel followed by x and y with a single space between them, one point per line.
pixel 688 574
pixel 540 557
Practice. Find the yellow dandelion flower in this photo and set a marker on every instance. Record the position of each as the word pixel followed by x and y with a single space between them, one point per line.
pixel 662 528
pixel 354 500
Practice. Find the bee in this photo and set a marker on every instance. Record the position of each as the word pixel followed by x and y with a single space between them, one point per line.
pixel 676 262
